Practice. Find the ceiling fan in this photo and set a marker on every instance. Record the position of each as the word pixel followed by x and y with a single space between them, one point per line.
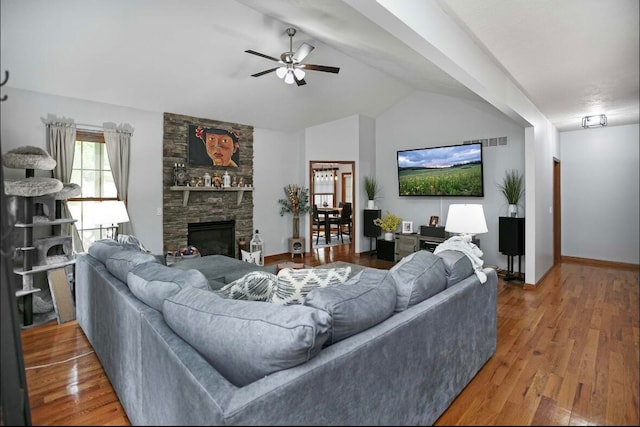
pixel 291 67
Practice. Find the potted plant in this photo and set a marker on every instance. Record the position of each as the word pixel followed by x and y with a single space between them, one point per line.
pixel 512 187
pixel 296 202
pixel 372 187
pixel 389 223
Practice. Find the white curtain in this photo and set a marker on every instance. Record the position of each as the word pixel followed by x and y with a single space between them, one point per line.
pixel 61 142
pixel 118 140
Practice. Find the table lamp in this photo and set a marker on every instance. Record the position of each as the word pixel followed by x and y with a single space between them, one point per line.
pixel 466 220
pixel 111 213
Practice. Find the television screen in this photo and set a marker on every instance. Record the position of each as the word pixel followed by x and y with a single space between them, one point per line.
pixel 451 171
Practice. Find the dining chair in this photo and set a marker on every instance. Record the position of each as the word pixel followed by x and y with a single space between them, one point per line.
pixel 345 219
pixel 316 222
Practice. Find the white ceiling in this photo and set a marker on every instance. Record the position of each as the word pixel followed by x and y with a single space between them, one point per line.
pixel 571 57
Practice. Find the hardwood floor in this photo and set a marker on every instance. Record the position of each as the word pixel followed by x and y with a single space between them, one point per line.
pixel 567 354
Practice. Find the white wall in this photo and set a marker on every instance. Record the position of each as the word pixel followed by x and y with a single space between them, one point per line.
pixel 600 193
pixel 278 160
pixel 427 120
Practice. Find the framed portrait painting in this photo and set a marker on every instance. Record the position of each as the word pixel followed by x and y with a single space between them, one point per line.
pixel 213 147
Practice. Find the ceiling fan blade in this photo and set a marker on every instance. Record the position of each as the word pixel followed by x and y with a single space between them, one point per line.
pixel 299 82
pixel 320 68
pixel 253 52
pixel 262 73
pixel 302 52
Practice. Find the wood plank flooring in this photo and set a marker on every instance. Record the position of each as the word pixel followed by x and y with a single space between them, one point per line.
pixel 568 354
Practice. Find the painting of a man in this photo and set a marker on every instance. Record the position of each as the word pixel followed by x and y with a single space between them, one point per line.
pixel 213 146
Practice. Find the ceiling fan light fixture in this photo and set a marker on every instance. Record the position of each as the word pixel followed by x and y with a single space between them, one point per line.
pixel 288 79
pixel 299 73
pixel 281 72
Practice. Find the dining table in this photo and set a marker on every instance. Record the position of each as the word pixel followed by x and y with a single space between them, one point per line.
pixel 327 211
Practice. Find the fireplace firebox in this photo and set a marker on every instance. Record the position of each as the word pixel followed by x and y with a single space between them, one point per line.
pixel 213 238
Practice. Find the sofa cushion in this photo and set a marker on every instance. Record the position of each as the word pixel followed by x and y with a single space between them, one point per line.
pixel 103 249
pixel 457 265
pixel 246 340
pixel 121 262
pixel 221 268
pixel 294 284
pixel 369 299
pixel 152 282
pixel 253 286
pixel 418 276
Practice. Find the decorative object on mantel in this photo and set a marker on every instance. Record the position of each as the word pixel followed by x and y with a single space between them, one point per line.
pixel 372 187
pixel 512 187
pixel 296 202
pixel 389 223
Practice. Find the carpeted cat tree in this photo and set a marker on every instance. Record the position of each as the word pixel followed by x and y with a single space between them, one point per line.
pixel 36 202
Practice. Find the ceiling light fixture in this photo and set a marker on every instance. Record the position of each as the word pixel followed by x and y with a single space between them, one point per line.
pixel 594 121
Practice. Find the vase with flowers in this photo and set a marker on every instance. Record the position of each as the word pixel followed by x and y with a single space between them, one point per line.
pixel 389 224
pixel 295 202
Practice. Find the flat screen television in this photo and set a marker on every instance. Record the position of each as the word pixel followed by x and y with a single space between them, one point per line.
pixel 447 171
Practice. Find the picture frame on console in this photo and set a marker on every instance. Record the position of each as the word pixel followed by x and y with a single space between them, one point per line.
pixel 433 221
pixel 407 227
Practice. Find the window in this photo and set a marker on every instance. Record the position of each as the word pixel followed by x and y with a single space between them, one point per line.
pixel 324 187
pixel 91 170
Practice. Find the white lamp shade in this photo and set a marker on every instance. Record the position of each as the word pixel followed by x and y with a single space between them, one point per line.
pixel 110 212
pixel 466 219
pixel 288 79
pixel 281 72
pixel 299 73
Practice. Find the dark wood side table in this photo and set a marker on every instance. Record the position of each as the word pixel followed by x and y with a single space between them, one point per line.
pixel 386 249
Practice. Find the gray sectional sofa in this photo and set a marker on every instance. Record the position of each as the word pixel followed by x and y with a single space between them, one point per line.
pixel 384 348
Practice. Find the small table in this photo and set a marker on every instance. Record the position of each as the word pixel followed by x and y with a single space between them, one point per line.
pixel 296 246
pixel 327 220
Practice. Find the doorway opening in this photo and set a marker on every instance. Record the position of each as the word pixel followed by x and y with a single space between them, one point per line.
pixel 331 194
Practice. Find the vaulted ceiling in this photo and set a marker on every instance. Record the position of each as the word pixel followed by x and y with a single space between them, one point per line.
pixel 570 57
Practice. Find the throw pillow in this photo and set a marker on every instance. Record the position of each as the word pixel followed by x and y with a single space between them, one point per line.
pixel 252 257
pixel 120 263
pixel 253 286
pixel 246 340
pixel 294 284
pixel 369 299
pixel 103 249
pixel 131 242
pixel 457 265
pixel 417 277
pixel 152 283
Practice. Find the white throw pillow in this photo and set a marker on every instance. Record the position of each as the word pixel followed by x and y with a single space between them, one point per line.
pixel 294 284
pixel 252 257
pixel 253 286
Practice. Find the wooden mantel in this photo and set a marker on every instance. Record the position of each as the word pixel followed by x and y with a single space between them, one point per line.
pixel 186 190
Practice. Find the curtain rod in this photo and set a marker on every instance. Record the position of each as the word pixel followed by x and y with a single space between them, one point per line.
pixel 88 125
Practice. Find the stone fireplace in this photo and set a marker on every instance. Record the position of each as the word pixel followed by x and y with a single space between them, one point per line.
pixel 205 207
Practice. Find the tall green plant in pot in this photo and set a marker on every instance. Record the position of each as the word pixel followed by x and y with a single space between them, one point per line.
pixel 372 188
pixel 512 187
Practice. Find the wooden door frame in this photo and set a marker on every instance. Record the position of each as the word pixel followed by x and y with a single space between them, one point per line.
pixel 557 213
pixel 353 205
